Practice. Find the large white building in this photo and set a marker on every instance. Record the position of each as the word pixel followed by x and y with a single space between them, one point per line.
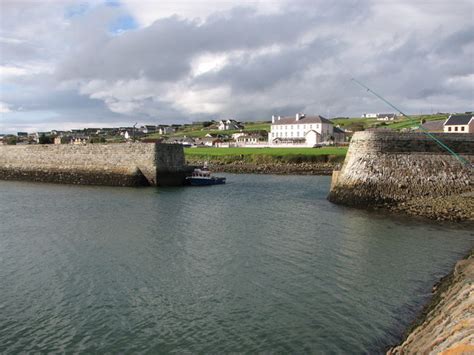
pixel 303 130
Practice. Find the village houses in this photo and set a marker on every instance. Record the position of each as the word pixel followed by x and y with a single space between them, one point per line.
pixel 226 125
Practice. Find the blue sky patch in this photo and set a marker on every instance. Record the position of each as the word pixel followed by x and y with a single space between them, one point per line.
pixel 76 10
pixel 123 23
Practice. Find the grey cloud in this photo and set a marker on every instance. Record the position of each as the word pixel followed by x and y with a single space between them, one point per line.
pixel 264 71
pixel 164 50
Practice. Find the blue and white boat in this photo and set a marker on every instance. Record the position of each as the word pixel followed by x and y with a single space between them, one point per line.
pixel 203 177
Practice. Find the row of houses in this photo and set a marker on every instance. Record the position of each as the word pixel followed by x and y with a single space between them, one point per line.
pixel 380 116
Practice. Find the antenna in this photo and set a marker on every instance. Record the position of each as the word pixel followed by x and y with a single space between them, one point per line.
pixel 424 130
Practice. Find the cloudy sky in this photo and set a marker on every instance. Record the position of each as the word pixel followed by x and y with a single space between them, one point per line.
pixel 73 64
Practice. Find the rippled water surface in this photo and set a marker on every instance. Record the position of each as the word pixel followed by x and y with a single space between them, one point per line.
pixel 263 263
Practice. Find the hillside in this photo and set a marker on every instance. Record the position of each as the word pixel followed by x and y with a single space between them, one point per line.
pixel 197 130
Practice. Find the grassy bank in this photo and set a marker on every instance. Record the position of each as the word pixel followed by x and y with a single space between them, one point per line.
pixel 267 155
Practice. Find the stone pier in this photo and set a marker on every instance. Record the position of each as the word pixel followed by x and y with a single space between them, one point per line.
pixel 389 167
pixel 130 164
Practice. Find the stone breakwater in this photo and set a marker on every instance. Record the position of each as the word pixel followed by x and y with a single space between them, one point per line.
pixel 447 322
pixel 390 169
pixel 136 164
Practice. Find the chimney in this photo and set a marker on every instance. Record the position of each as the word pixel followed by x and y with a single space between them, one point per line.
pixel 299 116
pixel 279 118
pixel 273 118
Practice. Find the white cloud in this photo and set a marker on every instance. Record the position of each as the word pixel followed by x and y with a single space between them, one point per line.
pixel 148 11
pixel 4 108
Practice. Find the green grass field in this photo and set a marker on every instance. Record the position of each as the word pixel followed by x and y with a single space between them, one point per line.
pixel 267 155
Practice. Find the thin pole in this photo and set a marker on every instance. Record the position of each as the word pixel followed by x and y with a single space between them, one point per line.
pixel 424 130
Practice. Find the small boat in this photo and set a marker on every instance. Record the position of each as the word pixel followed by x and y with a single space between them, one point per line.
pixel 203 177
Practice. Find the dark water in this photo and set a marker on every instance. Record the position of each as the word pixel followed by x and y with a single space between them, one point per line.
pixel 263 263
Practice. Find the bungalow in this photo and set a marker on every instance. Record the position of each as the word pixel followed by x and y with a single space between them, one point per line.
pixel 133 134
pixel 148 129
pixel 225 125
pixel 208 141
pixel 463 123
pixel 185 141
pixel 165 130
pixel 386 116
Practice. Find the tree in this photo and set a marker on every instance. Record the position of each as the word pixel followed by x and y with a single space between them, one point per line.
pixel 43 139
pixel 11 140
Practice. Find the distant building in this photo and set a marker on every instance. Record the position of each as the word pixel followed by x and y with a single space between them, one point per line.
pixel 369 115
pixel 386 116
pixel 304 130
pixel 165 130
pixel 459 123
pixel 225 125
pixel 433 126
pixel 380 116
pixel 147 129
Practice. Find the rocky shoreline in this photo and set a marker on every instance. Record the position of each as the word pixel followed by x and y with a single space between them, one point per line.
pixel 446 323
pixel 454 208
pixel 277 168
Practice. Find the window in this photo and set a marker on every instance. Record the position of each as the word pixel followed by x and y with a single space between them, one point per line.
pixel 456 128
pixel 462 128
pixel 449 129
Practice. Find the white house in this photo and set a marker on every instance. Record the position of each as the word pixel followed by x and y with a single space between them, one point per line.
pixel 165 130
pixel 303 130
pixel 386 116
pixel 369 115
pixel 463 123
pixel 225 125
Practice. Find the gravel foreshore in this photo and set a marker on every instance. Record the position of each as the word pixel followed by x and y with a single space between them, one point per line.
pixel 446 208
pixel 279 168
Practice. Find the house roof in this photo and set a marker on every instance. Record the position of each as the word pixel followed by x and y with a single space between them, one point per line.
pixel 433 125
pixel 303 120
pixel 338 130
pixel 381 115
pixel 458 120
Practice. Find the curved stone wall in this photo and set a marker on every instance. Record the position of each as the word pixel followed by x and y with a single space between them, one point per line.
pixel 385 167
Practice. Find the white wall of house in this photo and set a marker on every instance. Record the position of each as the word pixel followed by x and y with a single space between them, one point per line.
pixel 313 138
pixel 467 128
pixel 299 130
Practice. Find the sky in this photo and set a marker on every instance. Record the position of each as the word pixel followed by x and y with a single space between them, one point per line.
pixel 74 64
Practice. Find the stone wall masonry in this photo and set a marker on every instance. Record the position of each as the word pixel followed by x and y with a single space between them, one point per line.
pixel 389 167
pixel 131 164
